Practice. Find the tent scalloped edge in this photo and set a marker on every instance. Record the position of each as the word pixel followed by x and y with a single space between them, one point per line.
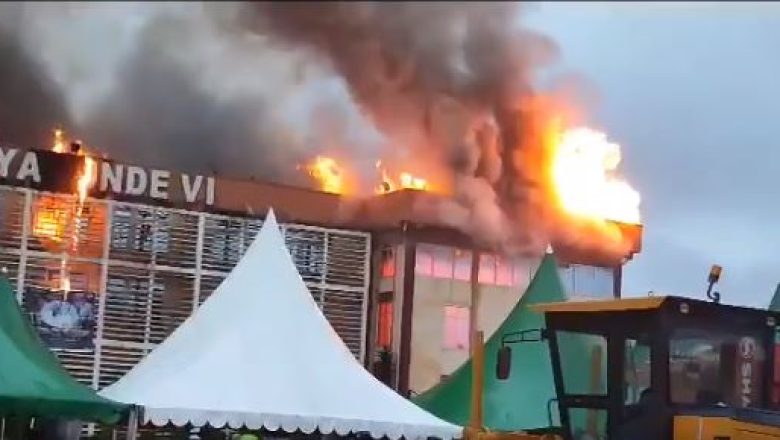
pixel 294 423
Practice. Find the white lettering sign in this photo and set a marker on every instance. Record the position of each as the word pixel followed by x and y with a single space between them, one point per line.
pixel 112 178
pixel 29 168
pixel 159 185
pixel 5 160
pixel 135 184
pixel 191 189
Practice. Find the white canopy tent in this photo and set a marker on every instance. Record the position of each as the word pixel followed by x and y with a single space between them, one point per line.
pixel 260 353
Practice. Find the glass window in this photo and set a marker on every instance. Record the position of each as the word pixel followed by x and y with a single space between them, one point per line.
pixel 503 271
pixel 442 262
pixel 385 323
pixel 588 423
pixel 424 261
pixel 583 363
pixel 521 272
pixel 487 269
pixel 462 265
pixel 710 368
pixel 637 366
pixel 388 263
pixel 456 327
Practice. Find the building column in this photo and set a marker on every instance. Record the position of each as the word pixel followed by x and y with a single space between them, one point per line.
pixel 617 281
pixel 407 308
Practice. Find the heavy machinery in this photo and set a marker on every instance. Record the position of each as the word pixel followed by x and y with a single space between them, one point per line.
pixel 657 368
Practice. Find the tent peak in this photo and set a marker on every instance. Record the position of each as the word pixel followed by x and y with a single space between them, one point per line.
pixel 271 217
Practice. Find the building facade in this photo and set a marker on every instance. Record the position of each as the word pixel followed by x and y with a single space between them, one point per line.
pixel 131 259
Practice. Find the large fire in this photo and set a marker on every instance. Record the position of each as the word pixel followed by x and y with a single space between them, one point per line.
pixel 328 173
pixel 405 180
pixel 584 164
pixel 583 174
pixel 58 221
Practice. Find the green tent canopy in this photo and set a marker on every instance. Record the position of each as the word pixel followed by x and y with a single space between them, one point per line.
pixel 32 382
pixel 774 304
pixel 519 402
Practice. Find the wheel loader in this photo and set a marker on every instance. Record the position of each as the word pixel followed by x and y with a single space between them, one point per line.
pixel 658 368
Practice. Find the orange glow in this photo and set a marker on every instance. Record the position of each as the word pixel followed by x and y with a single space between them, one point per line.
pixel 86 180
pixel 57 221
pixel 59 142
pixel 328 174
pixel 405 181
pixel 584 165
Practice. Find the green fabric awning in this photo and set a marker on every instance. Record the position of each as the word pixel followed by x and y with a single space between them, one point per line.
pixel 520 402
pixel 32 381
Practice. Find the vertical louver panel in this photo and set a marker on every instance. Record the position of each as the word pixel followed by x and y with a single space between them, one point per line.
pixel 171 303
pixel 127 305
pixel 152 266
pixel 11 214
pixel 115 361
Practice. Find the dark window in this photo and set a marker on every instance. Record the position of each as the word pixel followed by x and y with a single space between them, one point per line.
pixel 709 368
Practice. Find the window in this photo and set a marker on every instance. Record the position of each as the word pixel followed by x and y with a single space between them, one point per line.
pixel 637 366
pixel 388 263
pixel 487 269
pixel 710 368
pixel 456 327
pixel 503 271
pixel 462 265
pixel 442 262
pixel 424 261
pixel 583 363
pixel 384 336
pixel 588 423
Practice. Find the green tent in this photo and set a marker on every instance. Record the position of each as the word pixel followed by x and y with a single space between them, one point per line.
pixel 774 305
pixel 32 382
pixel 520 402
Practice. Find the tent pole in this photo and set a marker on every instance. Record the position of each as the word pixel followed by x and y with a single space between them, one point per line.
pixel 132 423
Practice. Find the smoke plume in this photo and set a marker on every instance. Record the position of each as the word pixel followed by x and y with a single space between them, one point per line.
pixel 31 103
pixel 251 89
pixel 453 82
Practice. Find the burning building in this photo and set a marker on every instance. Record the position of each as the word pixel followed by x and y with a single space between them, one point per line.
pixel 109 258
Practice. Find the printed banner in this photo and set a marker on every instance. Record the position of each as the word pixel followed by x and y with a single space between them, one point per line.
pixel 63 322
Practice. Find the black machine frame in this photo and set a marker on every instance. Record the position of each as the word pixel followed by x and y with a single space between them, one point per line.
pixel 657 324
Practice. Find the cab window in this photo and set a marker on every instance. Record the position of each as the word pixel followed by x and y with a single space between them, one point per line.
pixel 637 369
pixel 583 362
pixel 711 368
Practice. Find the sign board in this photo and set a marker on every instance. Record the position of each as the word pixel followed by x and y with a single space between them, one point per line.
pixel 58 172
pixel 64 322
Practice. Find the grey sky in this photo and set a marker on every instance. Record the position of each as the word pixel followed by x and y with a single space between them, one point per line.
pixel 691 92
pixel 688 89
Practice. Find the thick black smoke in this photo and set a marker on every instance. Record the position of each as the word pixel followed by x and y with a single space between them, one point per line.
pixel 31 103
pixel 160 112
pixel 452 81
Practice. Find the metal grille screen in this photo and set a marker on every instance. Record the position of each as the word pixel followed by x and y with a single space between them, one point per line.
pixel 152 267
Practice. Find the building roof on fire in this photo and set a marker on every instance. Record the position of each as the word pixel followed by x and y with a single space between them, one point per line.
pixel 32 382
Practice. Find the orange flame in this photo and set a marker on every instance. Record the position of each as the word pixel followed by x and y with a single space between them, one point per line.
pixel 584 164
pixel 54 216
pixel 328 173
pixel 405 181
pixel 59 142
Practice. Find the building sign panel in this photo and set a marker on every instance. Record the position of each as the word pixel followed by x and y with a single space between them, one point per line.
pixel 58 172
pixel 64 322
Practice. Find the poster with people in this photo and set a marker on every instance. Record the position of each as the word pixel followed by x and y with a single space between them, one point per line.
pixel 64 322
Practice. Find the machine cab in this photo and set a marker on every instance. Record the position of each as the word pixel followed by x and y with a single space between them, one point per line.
pixel 617 361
